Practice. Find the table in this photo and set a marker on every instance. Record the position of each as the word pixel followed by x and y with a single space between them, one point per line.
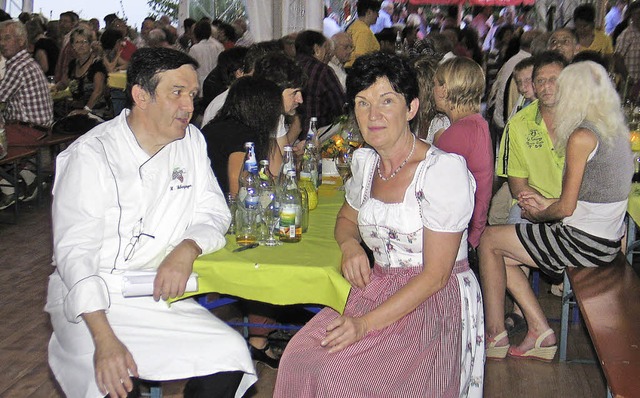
pixel 307 272
pixel 117 80
pixel 633 213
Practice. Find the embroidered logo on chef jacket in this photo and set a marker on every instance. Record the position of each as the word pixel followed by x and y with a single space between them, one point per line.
pixel 178 176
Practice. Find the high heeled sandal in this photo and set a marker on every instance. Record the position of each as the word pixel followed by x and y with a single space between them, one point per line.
pixel 260 355
pixel 538 352
pixel 494 352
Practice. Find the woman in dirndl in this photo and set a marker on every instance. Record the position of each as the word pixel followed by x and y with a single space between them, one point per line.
pixel 583 227
pixel 413 325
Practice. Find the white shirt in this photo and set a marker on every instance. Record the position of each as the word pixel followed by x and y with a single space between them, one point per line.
pixel 115 208
pixel 214 106
pixel 206 52
pixel 338 68
pixel 496 96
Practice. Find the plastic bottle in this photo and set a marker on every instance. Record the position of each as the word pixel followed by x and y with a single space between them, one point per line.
pixel 309 176
pixel 288 163
pixel 290 210
pixel 399 46
pixel 266 184
pixel 314 139
pixel 304 209
pixel 247 201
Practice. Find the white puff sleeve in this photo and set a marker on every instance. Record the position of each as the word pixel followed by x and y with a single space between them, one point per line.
pixel 361 163
pixel 445 190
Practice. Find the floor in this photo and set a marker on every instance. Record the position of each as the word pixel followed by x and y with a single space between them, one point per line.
pixel 25 253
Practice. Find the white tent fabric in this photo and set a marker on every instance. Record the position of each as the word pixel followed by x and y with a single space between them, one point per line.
pixel 272 19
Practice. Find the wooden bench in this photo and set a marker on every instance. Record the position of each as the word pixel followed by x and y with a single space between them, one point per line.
pixel 10 167
pixel 609 300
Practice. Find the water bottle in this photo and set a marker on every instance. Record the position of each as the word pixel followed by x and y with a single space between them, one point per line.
pixel 248 199
pixel 231 202
pixel 314 140
pixel 290 210
pixel 304 209
pixel 309 176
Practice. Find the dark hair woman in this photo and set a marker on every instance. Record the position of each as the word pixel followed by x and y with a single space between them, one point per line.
pixel 414 322
pixel 250 113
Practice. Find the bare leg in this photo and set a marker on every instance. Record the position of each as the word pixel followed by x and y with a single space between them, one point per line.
pixel 501 253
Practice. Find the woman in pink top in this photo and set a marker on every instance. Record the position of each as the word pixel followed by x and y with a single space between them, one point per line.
pixel 459 85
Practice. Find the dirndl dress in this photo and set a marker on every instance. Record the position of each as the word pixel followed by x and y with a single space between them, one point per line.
pixel 437 350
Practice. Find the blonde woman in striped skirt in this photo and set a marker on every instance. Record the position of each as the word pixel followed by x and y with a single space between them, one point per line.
pixel 583 227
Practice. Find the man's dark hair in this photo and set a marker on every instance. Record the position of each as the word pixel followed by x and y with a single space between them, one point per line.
pixel 585 12
pixel 255 102
pixel 547 58
pixel 109 18
pixel 306 40
pixel 202 30
pixel 109 38
pixel 280 69
pixel 229 61
pixel 229 31
pixel 524 64
pixel 72 15
pixel 145 65
pixel 591 56
pixel 257 51
pixel 188 23
pixel 368 68
pixel 386 35
pixel 4 16
pixel 365 5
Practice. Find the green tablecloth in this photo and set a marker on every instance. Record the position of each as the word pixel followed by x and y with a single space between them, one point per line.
pixel 307 272
pixel 633 207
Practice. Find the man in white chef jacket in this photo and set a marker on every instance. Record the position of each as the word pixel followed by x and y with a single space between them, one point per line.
pixel 137 193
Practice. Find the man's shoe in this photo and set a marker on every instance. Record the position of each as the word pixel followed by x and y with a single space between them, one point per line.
pixel 30 192
pixel 6 200
pixel 261 355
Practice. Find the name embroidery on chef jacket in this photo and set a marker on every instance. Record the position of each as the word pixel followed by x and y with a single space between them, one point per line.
pixel 178 177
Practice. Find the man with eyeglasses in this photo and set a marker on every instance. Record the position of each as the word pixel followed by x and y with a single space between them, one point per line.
pixel 28 109
pixel 527 157
pixel 137 193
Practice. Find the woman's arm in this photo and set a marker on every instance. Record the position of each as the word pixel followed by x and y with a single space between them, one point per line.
pixel 99 82
pixel 355 263
pixel 579 146
pixel 41 59
pixel 439 255
pixel 234 165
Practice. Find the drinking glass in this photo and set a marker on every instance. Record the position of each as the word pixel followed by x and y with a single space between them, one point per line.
pixel 271 218
pixel 343 165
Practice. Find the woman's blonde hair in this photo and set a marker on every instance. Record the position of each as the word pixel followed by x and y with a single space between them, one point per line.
pixel 585 93
pixel 465 82
pixel 425 67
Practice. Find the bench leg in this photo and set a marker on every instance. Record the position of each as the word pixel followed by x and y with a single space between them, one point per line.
pixel 564 322
pixel 632 243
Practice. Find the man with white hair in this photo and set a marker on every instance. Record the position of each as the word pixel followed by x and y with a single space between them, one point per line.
pixel 342 49
pixel 384 17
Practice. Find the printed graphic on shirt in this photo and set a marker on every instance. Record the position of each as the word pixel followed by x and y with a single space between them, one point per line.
pixel 178 177
pixel 534 139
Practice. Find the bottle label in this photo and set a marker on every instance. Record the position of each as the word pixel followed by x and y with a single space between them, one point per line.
pixel 251 199
pixel 289 216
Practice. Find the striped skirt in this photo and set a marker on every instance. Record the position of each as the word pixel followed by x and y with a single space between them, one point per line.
pixel 437 350
pixel 555 246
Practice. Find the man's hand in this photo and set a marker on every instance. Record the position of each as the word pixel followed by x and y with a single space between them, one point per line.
pixel 112 361
pixel 355 264
pixel 532 204
pixel 174 271
pixel 344 331
pixel 114 364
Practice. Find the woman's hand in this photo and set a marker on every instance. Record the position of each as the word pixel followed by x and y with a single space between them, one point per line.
pixel 113 362
pixel 344 331
pixel 532 204
pixel 355 264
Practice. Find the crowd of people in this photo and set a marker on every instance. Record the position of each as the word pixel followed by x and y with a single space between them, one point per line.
pixel 492 147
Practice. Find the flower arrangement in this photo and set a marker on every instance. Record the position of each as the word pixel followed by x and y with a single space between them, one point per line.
pixel 347 140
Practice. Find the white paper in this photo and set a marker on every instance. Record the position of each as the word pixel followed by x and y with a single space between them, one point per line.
pixel 140 283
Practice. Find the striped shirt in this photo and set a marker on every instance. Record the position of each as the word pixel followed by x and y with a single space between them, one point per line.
pixel 26 92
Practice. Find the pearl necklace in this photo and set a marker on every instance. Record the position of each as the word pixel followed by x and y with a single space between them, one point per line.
pixel 396 171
